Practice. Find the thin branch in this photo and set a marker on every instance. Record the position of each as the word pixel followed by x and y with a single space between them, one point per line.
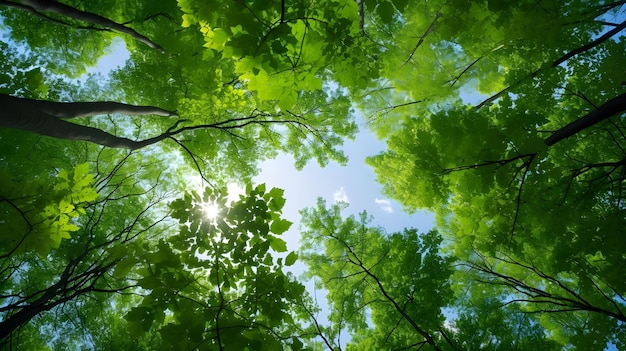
pixel 588 167
pixel 361 5
pixel 575 302
pixel 557 62
pixel 319 329
pixel 282 11
pixel 429 339
pixel 193 158
pixel 518 202
pixel 486 163
pixel 456 79
pixel 393 107
pixel 423 37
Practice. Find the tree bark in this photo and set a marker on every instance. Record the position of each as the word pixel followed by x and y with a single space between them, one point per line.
pixel 47 118
pixel 68 287
pixel 65 10
pixel 28 312
pixel 610 108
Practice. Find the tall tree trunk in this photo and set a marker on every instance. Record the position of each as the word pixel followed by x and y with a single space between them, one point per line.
pixel 34 6
pixel 25 314
pixel 46 118
pixel 610 108
pixel 67 288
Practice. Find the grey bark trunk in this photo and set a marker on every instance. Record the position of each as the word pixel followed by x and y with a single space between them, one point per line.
pixel 69 11
pixel 47 118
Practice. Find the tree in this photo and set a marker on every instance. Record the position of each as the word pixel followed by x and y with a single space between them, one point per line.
pixel 201 97
pixel 218 285
pixel 163 281
pixel 531 176
pixel 42 274
pixel 400 291
pixel 398 281
pixel 106 241
pixel 526 181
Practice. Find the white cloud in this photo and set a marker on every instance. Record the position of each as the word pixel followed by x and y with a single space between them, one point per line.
pixel 341 196
pixel 384 204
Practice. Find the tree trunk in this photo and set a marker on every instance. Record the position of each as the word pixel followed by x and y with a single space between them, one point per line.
pixel 69 11
pixel 65 289
pixel 46 118
pixel 610 108
pixel 27 313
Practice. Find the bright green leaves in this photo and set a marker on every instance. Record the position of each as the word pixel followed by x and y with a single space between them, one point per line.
pixel 269 79
pixel 278 245
pixel 218 277
pixel 79 184
pixel 279 226
pixel 290 45
pixel 41 215
pixel 552 216
pixel 264 77
pixel 387 290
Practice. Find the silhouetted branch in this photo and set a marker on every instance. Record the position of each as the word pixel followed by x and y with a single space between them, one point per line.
pixel 423 37
pixel 34 6
pixel 608 109
pixel 557 62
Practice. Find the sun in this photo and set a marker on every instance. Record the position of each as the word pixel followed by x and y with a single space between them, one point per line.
pixel 210 210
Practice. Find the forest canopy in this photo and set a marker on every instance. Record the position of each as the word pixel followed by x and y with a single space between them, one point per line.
pixel 504 119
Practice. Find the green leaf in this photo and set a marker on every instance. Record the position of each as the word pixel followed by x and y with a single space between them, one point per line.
pixel 63 175
pixel 124 266
pixel 280 226
pixel 172 333
pixel 386 11
pixel 260 189
pixel 277 244
pixel 277 200
pixel 400 4
pixel 291 259
pixel 81 171
pixel 68 227
pixel 296 344
pixel 141 317
pixel 149 282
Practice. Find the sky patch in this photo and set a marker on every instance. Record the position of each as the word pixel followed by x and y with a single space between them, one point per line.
pixel 340 195
pixel 384 204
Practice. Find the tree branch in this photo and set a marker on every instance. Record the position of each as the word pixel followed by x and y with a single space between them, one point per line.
pixel 428 338
pixel 557 62
pixel 567 300
pixel 423 37
pixel 608 109
pixel 486 163
pixel 360 4
pixel 33 6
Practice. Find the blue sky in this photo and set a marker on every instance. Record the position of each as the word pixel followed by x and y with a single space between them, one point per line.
pixel 354 183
